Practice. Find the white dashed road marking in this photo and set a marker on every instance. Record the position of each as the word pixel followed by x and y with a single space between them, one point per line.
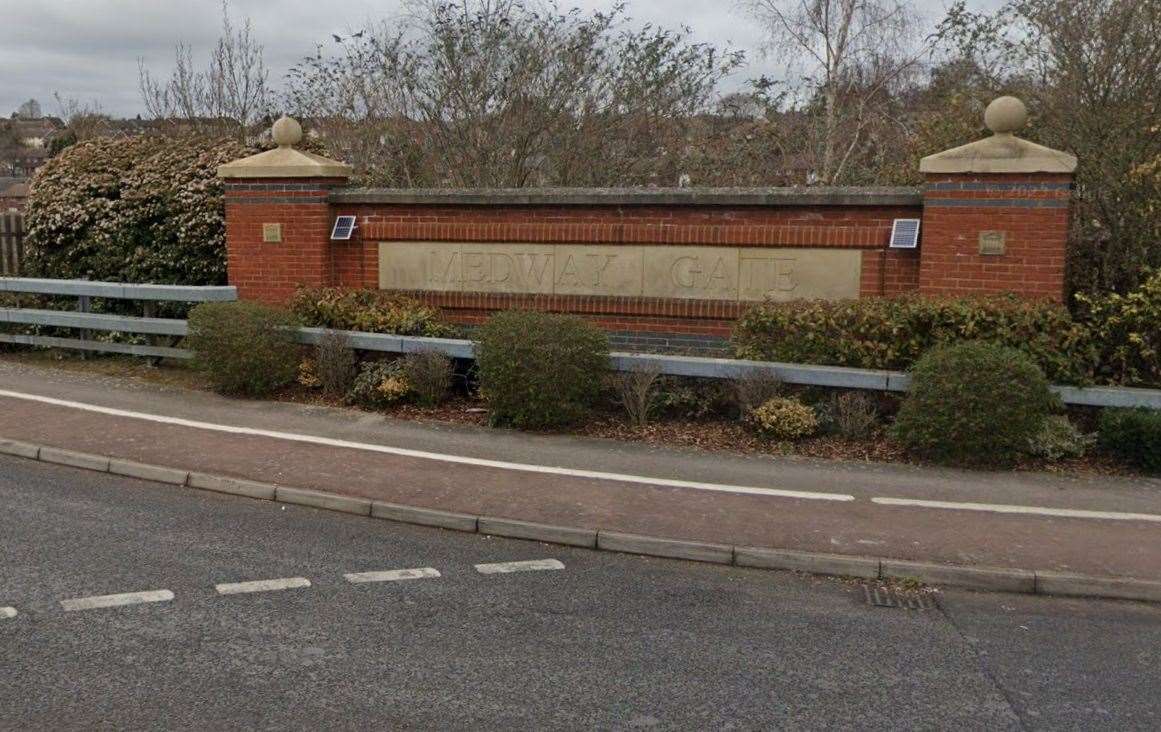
pixel 424 455
pixel 531 565
pixel 392 575
pixel 125 598
pixel 237 588
pixel 7 612
pixel 1025 510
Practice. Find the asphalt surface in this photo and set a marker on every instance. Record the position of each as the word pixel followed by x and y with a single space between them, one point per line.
pixel 607 642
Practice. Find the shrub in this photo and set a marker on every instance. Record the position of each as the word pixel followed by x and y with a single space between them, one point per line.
pixel 882 333
pixel 638 393
pixel 540 369
pixel 854 415
pixel 308 374
pixel 754 388
pixel 244 347
pixel 144 208
pixel 370 311
pixel 335 363
pixel 1133 435
pixel 1127 331
pixel 973 403
pixel 430 376
pixel 379 384
pixel 687 397
pixel 784 419
pixel 1059 438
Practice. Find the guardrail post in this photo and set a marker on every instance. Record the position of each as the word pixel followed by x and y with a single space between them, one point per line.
pixel 84 305
pixel 149 310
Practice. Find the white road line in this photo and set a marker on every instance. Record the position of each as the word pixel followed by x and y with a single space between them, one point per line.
pixel 237 588
pixel 7 612
pixel 423 455
pixel 392 575
pixel 125 598
pixel 1027 510
pixel 531 565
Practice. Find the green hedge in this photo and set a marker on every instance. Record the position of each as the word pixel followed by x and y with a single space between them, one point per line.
pixel 142 208
pixel 1133 435
pixel 881 333
pixel 1127 333
pixel 244 347
pixel 973 403
pixel 540 370
pixel 370 311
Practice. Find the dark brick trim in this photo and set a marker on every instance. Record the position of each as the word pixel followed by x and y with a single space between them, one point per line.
pixel 769 197
pixel 999 202
pixel 996 186
pixel 279 200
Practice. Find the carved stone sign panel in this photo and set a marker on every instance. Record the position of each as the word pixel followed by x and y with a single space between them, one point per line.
pixel 685 272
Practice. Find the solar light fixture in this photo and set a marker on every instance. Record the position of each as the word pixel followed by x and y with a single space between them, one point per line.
pixel 344 227
pixel 905 234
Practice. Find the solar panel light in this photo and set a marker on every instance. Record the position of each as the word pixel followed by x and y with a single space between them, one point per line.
pixel 905 234
pixel 344 227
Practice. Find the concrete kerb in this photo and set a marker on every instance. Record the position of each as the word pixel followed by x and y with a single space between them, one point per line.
pixel 989 579
pixel 992 579
pixel 425 516
pixel 568 535
pixel 19 449
pixel 157 474
pixel 232 486
pixel 74 459
pixel 319 499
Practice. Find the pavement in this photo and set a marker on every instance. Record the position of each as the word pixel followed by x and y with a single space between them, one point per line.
pixel 1093 525
pixel 600 641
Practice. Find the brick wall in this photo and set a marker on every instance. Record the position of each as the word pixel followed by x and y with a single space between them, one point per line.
pixel 1031 210
pixel 270 271
pixel 694 324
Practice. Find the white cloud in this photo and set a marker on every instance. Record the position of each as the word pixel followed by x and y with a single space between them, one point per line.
pixel 89 49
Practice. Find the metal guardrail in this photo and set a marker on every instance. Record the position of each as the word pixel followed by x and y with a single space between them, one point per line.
pixel 158 329
pixel 696 366
pixel 119 290
pixel 838 377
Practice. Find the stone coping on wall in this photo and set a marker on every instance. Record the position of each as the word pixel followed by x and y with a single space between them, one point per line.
pixel 787 196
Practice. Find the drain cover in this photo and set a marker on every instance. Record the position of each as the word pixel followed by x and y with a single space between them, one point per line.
pixel 886 597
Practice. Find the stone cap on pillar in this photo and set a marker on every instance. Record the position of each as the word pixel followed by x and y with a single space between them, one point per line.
pixel 1003 152
pixel 284 161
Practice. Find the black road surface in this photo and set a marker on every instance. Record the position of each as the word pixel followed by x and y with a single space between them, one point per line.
pixel 608 642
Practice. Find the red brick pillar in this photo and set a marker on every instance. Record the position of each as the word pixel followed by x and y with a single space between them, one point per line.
pixel 278 218
pixel 995 214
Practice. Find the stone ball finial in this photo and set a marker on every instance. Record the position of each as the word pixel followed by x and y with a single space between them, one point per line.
pixel 287 132
pixel 1005 115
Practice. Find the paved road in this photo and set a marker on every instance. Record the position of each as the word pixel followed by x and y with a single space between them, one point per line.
pixel 607 641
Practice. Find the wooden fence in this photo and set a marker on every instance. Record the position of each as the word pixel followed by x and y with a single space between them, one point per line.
pixel 11 243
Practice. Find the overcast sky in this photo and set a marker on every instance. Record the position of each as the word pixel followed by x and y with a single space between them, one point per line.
pixel 88 49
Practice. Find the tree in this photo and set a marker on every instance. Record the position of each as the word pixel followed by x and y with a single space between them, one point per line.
pixel 83 121
pixel 230 94
pixel 140 208
pixel 1088 69
pixel 851 58
pixel 28 110
pixel 504 94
